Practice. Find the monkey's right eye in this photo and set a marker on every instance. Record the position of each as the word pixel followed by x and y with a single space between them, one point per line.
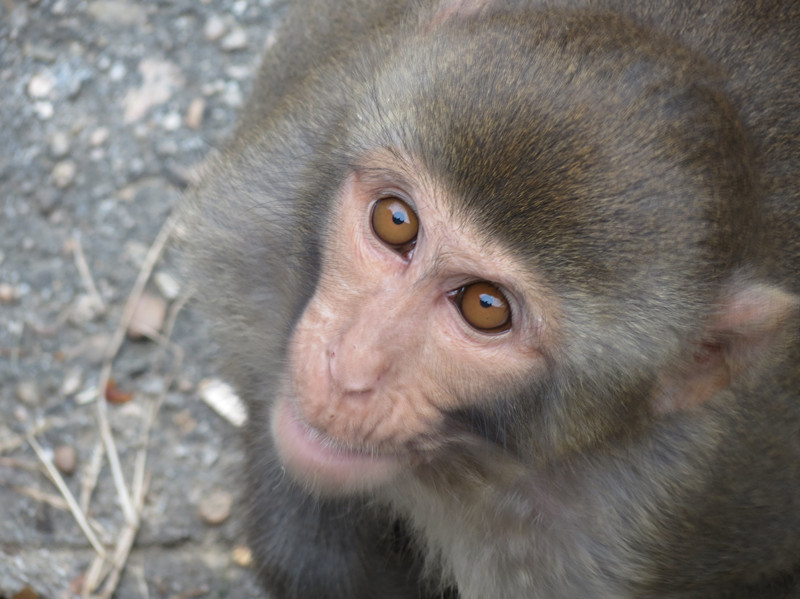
pixel 395 223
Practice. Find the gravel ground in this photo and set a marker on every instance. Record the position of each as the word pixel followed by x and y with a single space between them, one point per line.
pixel 107 107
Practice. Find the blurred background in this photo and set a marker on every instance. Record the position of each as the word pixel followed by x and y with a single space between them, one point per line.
pixel 107 110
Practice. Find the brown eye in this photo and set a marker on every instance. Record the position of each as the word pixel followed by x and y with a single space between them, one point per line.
pixel 484 307
pixel 394 222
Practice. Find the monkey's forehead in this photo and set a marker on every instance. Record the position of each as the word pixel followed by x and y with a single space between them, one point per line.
pixel 559 150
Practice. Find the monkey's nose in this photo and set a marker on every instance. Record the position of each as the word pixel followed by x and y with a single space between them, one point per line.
pixel 355 369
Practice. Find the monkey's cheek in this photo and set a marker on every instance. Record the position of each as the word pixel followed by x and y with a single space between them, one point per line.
pixel 320 463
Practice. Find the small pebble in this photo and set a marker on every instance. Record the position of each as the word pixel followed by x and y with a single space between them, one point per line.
pixel 167 285
pixel 160 79
pixel 59 145
pixel 242 556
pixel 195 112
pixel 71 383
pixel 172 121
pixel 103 63
pixel 216 508
pixel 64 173
pixel 232 96
pixel 28 393
pixel 117 72
pixel 84 310
pixel 99 136
pixel 235 40
pixel 65 459
pixel 116 12
pixel 116 395
pixel 41 85
pixel 148 317
pixel 214 28
pixel 20 414
pixel 239 7
pixel 240 72
pixel 222 398
pixel 44 110
pixel 8 294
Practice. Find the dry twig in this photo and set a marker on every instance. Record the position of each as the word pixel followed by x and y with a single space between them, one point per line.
pixel 21 464
pixel 90 475
pixel 132 503
pixel 58 481
pixel 16 441
pixel 55 501
pixel 153 254
pixel 86 274
pixel 123 549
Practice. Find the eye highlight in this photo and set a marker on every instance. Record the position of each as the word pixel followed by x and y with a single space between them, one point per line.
pixel 484 307
pixel 395 223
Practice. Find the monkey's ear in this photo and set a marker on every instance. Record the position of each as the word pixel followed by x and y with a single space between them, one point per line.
pixel 755 320
pixel 458 9
pixel 753 324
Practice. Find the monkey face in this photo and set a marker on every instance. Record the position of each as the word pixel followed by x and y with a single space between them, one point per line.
pixel 495 269
pixel 429 303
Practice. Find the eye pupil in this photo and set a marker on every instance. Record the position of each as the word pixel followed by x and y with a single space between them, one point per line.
pixel 487 301
pixel 395 223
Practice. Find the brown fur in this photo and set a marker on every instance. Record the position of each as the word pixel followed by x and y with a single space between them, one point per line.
pixel 632 169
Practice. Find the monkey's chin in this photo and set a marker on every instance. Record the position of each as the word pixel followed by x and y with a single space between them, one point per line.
pixel 320 463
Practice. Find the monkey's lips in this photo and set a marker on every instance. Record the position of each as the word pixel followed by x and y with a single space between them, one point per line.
pixel 321 462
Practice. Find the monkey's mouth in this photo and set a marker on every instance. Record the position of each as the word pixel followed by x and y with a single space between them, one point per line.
pixel 321 462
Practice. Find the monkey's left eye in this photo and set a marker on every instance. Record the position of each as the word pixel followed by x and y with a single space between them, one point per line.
pixel 484 307
pixel 395 223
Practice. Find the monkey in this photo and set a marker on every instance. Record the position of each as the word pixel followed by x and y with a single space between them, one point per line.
pixel 510 290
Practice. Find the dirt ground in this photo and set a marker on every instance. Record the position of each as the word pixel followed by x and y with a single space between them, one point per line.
pixel 106 107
